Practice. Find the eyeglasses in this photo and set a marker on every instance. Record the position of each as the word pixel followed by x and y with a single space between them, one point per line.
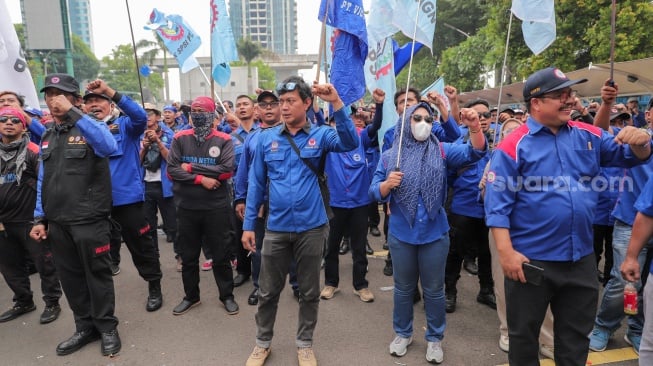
pixel 287 87
pixel 266 105
pixel 560 95
pixel 14 120
pixel 419 118
pixel 485 115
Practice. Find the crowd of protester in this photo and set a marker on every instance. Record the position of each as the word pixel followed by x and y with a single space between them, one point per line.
pixel 540 203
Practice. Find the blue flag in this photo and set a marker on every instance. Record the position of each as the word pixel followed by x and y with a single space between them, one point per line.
pixel 403 54
pixel 349 46
pixel 178 37
pixel 538 22
pixel 223 45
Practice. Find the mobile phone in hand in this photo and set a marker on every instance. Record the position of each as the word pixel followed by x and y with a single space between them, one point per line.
pixel 533 273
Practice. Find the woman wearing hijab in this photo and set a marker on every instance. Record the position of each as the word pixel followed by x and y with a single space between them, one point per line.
pixel 418 230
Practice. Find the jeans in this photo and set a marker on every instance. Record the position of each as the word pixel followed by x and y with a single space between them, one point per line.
pixel 259 232
pixel 424 262
pixel 279 248
pixel 611 309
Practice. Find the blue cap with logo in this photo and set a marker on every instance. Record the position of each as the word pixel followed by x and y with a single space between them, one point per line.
pixel 545 81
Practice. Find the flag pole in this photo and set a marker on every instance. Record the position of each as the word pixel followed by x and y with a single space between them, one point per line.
pixel 322 49
pixel 503 68
pixel 212 91
pixel 410 69
pixel 613 26
pixel 131 29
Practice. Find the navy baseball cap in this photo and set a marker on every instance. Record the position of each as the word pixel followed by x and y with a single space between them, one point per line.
pixel 63 82
pixel 545 81
pixel 266 93
pixel 88 94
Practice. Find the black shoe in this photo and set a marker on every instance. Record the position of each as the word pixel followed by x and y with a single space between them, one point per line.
pixel 486 297
pixel 77 341
pixel 115 269
pixel 253 297
pixel 344 246
pixel 417 297
pixel 295 293
pixel 385 245
pixel 450 303
pixel 240 279
pixel 387 270
pixel 184 306
pixel 16 311
pixel 169 238
pixel 155 298
pixel 470 266
pixel 110 343
pixel 375 231
pixel 231 306
pixel 368 248
pixel 50 314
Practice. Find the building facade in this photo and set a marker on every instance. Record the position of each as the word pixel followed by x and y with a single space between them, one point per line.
pixel 79 14
pixel 272 23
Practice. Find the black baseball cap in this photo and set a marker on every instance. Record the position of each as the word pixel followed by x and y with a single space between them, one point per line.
pixel 63 82
pixel 545 81
pixel 89 94
pixel 266 93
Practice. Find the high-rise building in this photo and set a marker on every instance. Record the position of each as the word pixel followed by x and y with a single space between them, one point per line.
pixel 272 23
pixel 79 14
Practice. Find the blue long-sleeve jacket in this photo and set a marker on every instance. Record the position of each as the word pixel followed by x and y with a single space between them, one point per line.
pixel 126 171
pixel 540 187
pixel 348 177
pixel 423 230
pixel 295 201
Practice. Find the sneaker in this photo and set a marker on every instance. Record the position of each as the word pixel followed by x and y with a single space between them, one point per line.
pixel 306 357
pixel 434 352
pixel 114 269
pixel 399 346
pixel 470 266
pixel 599 339
pixel 504 343
pixel 547 351
pixel 633 340
pixel 368 249
pixel 328 292
pixel 365 294
pixel 258 356
pixel 207 265
pixel 375 231
pixel 179 266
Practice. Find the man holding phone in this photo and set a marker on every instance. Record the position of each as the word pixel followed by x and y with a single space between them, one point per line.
pixel 540 205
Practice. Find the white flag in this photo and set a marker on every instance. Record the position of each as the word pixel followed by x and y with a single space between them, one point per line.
pixel 538 22
pixel 13 66
pixel 389 16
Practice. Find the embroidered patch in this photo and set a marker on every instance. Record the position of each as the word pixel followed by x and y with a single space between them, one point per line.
pixel 491 176
pixel 214 151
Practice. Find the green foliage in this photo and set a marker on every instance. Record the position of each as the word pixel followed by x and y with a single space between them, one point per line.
pixel 267 77
pixel 248 51
pixel 121 74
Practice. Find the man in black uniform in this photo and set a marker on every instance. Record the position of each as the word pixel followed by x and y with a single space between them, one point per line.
pixel 18 173
pixel 72 206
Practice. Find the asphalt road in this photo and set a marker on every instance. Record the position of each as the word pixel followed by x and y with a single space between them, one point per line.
pixel 349 332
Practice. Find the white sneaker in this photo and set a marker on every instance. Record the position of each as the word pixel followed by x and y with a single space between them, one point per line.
pixel 399 346
pixel 434 352
pixel 504 343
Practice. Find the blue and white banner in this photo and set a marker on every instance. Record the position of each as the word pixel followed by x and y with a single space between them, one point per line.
pixel 178 37
pixel 223 45
pixel 379 73
pixel 390 16
pixel 13 66
pixel 538 22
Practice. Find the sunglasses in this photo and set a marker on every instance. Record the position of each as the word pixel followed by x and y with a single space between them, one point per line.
pixel 265 105
pixel 485 115
pixel 14 120
pixel 419 118
pixel 287 87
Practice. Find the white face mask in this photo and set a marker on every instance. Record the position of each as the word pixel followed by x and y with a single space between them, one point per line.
pixel 421 130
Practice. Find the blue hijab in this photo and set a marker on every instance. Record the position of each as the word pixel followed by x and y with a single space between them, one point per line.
pixel 424 168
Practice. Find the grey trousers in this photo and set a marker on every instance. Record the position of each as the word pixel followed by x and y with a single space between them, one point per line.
pixel 279 248
pixel 646 347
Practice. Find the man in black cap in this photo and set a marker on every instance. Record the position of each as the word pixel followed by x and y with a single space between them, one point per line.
pixel 73 207
pixel 543 226
pixel 127 186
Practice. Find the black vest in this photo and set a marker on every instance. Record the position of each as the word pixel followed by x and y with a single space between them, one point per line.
pixel 76 187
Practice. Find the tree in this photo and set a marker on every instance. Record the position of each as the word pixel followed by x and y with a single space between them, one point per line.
pixel 248 50
pixel 267 77
pixel 121 74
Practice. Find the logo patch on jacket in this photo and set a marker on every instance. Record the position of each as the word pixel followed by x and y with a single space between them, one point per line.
pixel 214 151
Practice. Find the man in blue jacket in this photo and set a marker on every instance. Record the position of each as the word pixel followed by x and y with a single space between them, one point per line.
pixel 297 224
pixel 127 185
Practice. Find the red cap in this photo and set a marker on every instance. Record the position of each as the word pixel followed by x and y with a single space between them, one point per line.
pixel 205 103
